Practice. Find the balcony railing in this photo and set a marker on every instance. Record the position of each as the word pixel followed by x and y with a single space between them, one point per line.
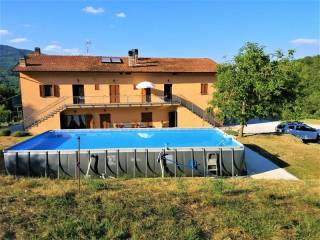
pixel 120 99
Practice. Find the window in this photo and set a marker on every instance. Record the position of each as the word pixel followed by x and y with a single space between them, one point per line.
pixel 134 86
pixel 96 86
pixel 146 117
pixel 49 90
pixel 204 88
pixel 291 127
pixel 305 128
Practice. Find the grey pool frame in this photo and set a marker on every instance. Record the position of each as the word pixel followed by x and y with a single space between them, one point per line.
pixel 128 162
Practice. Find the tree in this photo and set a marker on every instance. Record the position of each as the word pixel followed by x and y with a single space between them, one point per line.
pixel 254 85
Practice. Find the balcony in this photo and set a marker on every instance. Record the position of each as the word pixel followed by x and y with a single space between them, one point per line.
pixel 119 101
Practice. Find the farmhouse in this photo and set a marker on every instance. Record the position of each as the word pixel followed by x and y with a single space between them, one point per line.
pixel 61 92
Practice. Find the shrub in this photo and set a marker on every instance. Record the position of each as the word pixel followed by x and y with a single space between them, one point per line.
pixel 20 134
pixel 5 132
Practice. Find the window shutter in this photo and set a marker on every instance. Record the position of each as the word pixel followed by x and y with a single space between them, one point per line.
pixel 134 86
pixel 56 91
pixel 204 88
pixel 96 86
pixel 41 88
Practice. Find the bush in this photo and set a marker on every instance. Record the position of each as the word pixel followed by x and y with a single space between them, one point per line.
pixel 20 134
pixel 5 132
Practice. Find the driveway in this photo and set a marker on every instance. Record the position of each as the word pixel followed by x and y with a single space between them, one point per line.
pixel 265 127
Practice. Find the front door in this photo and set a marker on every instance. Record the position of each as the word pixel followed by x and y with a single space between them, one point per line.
pixel 167 92
pixel 78 94
pixel 114 93
pixel 173 119
pixel 105 120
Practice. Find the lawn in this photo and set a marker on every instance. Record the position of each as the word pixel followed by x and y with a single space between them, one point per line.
pixel 186 208
pixel 302 160
pixel 183 208
pixel 312 121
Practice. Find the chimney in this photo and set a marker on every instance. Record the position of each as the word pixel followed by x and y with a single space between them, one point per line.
pixel 22 62
pixel 37 51
pixel 136 53
pixel 131 61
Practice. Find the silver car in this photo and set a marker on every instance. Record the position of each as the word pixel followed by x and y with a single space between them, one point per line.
pixel 298 129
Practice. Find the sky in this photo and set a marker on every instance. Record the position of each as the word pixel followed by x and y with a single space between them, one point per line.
pixel 214 29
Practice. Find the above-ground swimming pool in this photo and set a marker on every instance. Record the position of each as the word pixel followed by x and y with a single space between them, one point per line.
pixel 127 152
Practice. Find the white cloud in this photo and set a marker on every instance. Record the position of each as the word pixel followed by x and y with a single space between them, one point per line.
pixel 305 41
pixel 121 15
pixel 92 10
pixel 53 48
pixel 58 49
pixel 71 51
pixel 4 32
pixel 18 40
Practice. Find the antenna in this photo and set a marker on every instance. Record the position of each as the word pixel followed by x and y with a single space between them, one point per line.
pixel 88 43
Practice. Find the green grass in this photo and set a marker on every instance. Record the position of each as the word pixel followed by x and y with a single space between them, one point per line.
pixel 182 208
pixel 186 208
pixel 312 121
pixel 302 160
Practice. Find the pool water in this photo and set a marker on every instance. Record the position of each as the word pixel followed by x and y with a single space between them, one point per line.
pixel 127 138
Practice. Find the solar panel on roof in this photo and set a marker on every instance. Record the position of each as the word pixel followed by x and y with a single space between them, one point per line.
pixel 106 60
pixel 116 60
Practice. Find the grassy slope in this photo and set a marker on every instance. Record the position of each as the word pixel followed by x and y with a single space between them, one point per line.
pixel 159 209
pixel 302 160
pixel 169 208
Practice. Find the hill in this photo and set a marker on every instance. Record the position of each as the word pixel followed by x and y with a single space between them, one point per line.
pixel 9 56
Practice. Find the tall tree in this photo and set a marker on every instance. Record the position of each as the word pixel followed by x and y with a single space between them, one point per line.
pixel 254 85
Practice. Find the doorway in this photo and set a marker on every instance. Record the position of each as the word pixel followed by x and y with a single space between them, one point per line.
pixel 105 120
pixel 114 93
pixel 167 91
pixel 146 94
pixel 173 119
pixel 78 94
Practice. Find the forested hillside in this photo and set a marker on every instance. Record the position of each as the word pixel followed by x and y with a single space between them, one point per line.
pixel 9 56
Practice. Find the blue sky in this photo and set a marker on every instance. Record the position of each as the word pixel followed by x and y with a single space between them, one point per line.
pixel 215 29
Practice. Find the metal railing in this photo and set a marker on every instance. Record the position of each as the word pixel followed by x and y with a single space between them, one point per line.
pixel 121 99
pixel 68 101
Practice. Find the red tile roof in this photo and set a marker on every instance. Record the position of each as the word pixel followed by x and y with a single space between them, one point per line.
pixel 44 63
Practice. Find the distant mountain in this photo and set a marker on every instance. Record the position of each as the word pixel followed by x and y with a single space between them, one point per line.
pixel 9 56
